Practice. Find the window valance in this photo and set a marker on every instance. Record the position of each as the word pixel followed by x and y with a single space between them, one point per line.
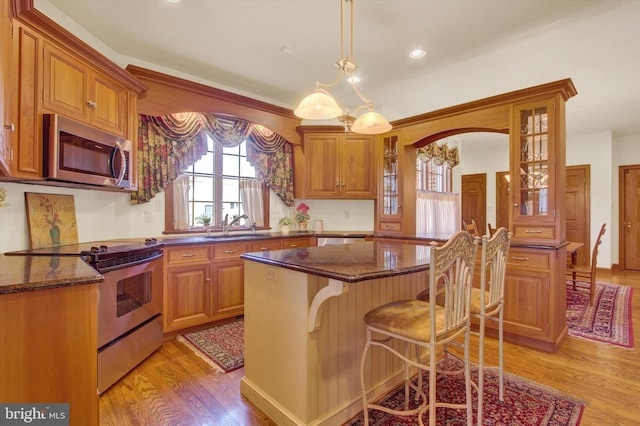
pixel 169 144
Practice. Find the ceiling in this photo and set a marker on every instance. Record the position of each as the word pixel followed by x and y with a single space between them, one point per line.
pixel 276 50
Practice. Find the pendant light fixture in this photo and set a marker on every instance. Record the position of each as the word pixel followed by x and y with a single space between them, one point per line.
pixel 320 105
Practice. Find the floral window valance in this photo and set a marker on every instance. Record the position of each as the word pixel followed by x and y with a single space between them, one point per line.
pixel 169 144
pixel 441 153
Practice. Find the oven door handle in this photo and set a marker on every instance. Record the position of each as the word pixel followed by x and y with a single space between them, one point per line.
pixel 123 162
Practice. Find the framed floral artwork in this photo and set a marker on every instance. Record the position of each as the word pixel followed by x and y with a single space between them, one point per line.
pixel 51 219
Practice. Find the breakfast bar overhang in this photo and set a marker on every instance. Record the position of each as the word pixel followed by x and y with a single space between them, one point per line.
pixel 304 333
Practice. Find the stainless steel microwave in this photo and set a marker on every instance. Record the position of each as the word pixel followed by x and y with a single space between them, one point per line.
pixel 79 153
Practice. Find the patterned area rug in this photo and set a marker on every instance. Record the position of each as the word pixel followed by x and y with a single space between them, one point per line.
pixel 221 346
pixel 525 403
pixel 608 320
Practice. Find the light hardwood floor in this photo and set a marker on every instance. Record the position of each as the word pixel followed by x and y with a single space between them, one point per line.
pixel 174 387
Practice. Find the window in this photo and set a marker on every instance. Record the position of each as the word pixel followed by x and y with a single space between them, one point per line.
pixel 431 176
pixel 212 187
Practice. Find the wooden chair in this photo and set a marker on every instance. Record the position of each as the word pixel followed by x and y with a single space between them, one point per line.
pixel 428 326
pixel 587 273
pixel 491 230
pixel 471 228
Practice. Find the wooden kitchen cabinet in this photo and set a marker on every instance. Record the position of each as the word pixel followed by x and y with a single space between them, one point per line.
pixel 26 139
pixel 227 293
pixel 73 88
pixel 187 287
pixel 389 205
pixel 48 347
pixel 338 165
pixel 534 311
pixel 538 152
pixel 295 242
pixel 5 87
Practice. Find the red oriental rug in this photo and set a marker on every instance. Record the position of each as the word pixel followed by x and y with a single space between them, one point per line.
pixel 525 403
pixel 608 320
pixel 221 346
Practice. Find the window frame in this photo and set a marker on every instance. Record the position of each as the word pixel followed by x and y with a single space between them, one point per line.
pixel 216 224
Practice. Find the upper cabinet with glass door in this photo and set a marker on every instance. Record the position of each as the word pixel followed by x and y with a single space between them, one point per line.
pixel 389 205
pixel 535 170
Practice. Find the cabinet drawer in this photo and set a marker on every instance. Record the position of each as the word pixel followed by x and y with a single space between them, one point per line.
pixel 293 243
pixel 529 259
pixel 535 231
pixel 228 250
pixel 391 227
pixel 188 254
pixel 266 245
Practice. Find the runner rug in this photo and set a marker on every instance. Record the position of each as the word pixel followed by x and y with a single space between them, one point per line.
pixel 221 346
pixel 525 403
pixel 608 320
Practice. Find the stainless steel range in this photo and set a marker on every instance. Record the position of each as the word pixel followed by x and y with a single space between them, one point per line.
pixel 129 301
pixel 129 306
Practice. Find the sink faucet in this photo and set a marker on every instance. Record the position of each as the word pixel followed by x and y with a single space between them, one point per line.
pixel 226 224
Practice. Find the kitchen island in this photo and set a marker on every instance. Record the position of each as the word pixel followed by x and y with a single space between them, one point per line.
pixel 304 333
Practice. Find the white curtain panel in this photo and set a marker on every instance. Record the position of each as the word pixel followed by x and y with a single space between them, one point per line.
pixel 251 198
pixel 180 202
pixel 437 214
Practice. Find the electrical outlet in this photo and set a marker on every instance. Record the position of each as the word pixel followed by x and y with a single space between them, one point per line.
pixel 148 216
pixel 347 214
pixel 271 274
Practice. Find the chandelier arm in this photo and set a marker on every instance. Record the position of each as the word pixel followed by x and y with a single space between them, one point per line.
pixel 362 98
pixel 333 83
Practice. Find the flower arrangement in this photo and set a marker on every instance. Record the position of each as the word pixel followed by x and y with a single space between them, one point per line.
pixel 285 221
pixel 302 213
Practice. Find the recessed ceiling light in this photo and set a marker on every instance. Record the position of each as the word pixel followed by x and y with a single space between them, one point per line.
pixel 417 54
pixel 354 79
pixel 174 1
pixel 287 49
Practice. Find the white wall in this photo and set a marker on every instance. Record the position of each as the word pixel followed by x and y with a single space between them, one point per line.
pixel 596 150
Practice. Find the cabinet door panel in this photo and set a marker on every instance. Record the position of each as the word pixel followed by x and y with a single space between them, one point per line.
pixel 27 139
pixel 526 299
pixel 228 289
pixel 5 84
pixel 110 105
pixel 322 176
pixel 187 298
pixel 65 83
pixel 358 159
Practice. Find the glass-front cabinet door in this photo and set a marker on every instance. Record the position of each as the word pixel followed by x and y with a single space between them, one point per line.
pixel 389 204
pixel 534 161
pixel 534 169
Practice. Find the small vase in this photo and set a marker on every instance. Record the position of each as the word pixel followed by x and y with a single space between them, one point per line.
pixel 284 229
pixel 302 226
pixel 54 232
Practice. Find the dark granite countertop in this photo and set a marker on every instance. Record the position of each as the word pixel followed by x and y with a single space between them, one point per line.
pixel 246 236
pixel 30 273
pixel 350 262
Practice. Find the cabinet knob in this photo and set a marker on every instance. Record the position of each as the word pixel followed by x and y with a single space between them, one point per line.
pixel 92 104
pixel 10 126
pixel 337 184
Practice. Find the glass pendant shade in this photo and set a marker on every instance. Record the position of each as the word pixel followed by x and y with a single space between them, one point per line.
pixel 319 105
pixel 371 123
